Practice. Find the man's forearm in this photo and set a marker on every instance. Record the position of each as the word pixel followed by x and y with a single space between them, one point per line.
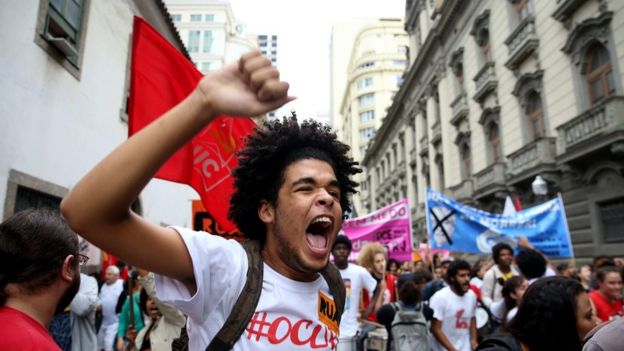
pixel 436 329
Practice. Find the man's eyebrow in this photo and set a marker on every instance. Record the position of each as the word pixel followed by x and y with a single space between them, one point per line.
pixel 312 181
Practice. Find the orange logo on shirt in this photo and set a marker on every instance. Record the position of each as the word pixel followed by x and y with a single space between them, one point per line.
pixel 327 312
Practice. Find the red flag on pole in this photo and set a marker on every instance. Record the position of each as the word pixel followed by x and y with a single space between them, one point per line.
pixel 160 78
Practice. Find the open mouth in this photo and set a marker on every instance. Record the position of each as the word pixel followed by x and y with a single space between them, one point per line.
pixel 317 234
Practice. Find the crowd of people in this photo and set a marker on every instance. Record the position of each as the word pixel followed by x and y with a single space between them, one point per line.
pixel 513 300
pixel 277 291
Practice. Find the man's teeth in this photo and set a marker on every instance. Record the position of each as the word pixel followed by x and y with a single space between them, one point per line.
pixel 322 220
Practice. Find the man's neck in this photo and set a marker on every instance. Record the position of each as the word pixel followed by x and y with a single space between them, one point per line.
pixel 272 259
pixel 341 265
pixel 504 269
pixel 38 307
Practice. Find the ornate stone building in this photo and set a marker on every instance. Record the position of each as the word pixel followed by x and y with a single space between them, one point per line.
pixel 498 92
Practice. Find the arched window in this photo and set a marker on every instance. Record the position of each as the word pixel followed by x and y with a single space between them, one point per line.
pixel 483 40
pixel 535 114
pixel 598 73
pixel 494 142
pixel 466 161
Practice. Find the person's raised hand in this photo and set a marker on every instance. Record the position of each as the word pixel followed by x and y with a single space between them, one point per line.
pixel 248 88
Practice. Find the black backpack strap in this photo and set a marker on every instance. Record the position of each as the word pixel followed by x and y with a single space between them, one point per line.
pixel 245 305
pixel 336 288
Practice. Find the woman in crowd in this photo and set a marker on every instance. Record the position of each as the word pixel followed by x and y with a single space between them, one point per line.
pixel 373 258
pixel 608 297
pixel 513 291
pixel 125 320
pixel 585 275
pixel 478 271
pixel 555 314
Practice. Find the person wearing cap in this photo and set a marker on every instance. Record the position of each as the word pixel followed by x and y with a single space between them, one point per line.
pixel 409 286
pixel 356 279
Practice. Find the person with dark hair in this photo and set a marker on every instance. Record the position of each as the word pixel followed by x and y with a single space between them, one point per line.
pixel 479 269
pixel 608 297
pixel 292 189
pixel 555 314
pixel 513 290
pixel 439 280
pixel 357 281
pixel 39 277
pixel 393 266
pixel 129 319
pixel 410 299
pixel 164 321
pixel 495 277
pixel 531 264
pixel 585 274
pixel 454 326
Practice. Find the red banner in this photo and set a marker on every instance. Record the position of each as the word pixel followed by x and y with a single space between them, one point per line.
pixel 160 78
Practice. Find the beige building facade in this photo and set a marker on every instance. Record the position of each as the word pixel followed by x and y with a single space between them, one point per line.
pixel 210 32
pixel 374 74
pixel 499 92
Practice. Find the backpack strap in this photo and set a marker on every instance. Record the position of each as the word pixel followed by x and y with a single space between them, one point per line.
pixel 336 288
pixel 245 305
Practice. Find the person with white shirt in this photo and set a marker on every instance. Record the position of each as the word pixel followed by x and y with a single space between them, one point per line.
pixel 495 277
pixel 109 294
pixel 454 325
pixel 356 279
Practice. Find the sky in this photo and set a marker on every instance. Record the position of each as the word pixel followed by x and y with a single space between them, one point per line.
pixel 304 30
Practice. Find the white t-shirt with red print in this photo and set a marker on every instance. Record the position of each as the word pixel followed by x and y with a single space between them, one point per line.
pixel 290 315
pixel 455 313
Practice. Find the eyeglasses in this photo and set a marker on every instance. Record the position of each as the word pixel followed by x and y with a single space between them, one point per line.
pixel 82 259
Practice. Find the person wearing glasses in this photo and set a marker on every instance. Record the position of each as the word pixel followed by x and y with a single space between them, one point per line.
pixel 82 307
pixel 39 276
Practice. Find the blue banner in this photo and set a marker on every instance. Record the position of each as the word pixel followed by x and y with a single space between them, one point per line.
pixel 457 227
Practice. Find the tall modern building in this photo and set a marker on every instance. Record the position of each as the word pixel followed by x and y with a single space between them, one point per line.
pixel 499 92
pixel 374 73
pixel 210 32
pixel 267 43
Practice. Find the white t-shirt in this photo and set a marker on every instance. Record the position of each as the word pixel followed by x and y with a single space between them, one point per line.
pixel 355 278
pixel 109 294
pixel 290 315
pixel 455 313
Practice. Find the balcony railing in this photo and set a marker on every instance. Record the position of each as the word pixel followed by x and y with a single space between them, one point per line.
pixel 541 151
pixel 521 43
pixel 485 81
pixel 460 109
pixel 565 9
pixel 462 191
pixel 592 124
pixel 490 177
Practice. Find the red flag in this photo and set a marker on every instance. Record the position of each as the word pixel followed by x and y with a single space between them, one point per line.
pixel 517 203
pixel 160 78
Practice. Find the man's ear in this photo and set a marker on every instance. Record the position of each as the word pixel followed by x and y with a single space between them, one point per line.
pixel 68 269
pixel 266 212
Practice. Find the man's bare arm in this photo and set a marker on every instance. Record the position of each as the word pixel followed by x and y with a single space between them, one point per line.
pixel 436 330
pixel 98 207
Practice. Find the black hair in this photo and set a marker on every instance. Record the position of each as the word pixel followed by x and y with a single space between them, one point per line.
pixel 546 319
pixel 510 287
pixel 33 246
pixel 143 297
pixel 602 261
pixel 531 263
pixel 263 161
pixel 602 273
pixel 409 293
pixel 455 267
pixel 343 239
pixel 390 262
pixel 497 250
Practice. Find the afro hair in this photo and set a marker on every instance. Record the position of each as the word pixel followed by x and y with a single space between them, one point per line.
pixel 267 154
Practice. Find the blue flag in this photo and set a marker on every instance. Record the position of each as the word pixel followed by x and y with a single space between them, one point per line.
pixel 457 227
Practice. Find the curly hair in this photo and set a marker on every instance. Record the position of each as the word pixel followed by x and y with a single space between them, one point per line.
pixel 546 318
pixel 267 154
pixel 366 256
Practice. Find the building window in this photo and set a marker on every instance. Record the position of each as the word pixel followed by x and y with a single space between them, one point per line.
pixel 466 160
pixel 365 82
pixel 208 39
pixel 367 116
pixel 523 9
pixel 176 18
pixel 402 49
pixel 398 80
pixel 493 134
pixel 439 161
pixel 535 115
pixel 367 64
pixel 399 62
pixel 457 66
pixel 60 26
pixel 205 66
pixel 612 219
pixel 28 198
pixel 599 73
pixel 196 18
pixel 210 18
pixel 366 133
pixel 366 99
pixel 480 31
pixel 193 42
